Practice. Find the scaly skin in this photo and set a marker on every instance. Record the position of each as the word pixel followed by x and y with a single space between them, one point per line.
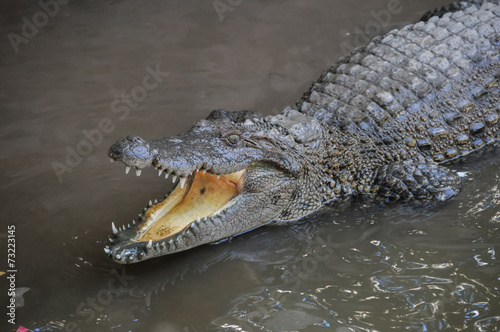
pixel 381 122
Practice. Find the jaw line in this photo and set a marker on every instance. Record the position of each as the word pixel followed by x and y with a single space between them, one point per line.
pixel 138 243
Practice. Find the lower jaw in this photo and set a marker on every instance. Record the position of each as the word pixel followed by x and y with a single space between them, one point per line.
pixel 126 250
pixel 180 221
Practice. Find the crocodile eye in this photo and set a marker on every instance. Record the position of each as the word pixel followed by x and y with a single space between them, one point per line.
pixel 234 138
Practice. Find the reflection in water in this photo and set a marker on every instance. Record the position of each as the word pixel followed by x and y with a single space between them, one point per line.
pixel 401 273
pixel 351 268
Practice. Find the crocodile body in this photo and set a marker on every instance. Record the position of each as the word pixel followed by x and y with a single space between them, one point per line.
pixel 382 122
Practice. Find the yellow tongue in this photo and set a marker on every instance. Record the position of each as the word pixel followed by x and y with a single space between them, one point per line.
pixel 204 197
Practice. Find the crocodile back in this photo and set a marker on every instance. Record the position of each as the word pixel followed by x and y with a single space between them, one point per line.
pixel 429 90
pixel 455 7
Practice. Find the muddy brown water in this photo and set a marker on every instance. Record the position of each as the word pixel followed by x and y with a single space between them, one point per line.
pixel 64 86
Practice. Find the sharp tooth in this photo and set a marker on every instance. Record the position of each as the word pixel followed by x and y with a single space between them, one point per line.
pixel 166 175
pixel 204 171
pixel 194 228
pixel 120 228
pixel 218 176
pixel 156 201
pixel 157 246
pixel 197 170
pixel 140 215
pixel 198 220
pixel 106 250
pixel 127 169
pixel 133 222
pixel 128 225
pixel 111 240
pixel 150 203
pixel 159 172
pixel 182 181
pixel 179 240
pixel 150 244
pixel 138 172
pixel 111 160
pixel 113 227
pixel 174 178
pixel 163 244
pixel 205 218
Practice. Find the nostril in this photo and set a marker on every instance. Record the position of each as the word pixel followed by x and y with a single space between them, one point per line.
pixel 135 139
pixel 202 123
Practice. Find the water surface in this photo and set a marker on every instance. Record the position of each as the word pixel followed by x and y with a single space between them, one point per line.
pixel 359 268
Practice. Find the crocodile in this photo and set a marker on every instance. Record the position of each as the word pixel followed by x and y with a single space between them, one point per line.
pixel 384 122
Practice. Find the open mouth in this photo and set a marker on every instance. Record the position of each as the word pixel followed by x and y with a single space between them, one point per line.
pixel 174 222
pixel 201 196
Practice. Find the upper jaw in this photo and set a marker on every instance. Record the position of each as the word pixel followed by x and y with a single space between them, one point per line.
pixel 180 157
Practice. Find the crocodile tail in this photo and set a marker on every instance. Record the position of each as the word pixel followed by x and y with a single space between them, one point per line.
pixel 454 7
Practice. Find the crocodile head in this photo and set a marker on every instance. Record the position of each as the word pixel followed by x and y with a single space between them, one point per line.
pixel 233 174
